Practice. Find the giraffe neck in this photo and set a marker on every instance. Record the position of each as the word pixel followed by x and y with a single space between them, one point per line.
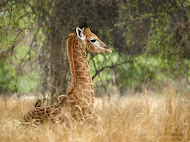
pixel 82 70
pixel 81 77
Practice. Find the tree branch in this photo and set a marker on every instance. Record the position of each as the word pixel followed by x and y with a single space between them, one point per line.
pixel 109 67
pixel 6 53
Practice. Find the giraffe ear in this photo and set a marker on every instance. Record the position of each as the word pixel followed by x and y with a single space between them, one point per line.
pixel 80 33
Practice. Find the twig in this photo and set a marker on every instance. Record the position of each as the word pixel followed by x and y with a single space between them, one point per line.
pixel 109 67
pixel 29 52
pixel 4 54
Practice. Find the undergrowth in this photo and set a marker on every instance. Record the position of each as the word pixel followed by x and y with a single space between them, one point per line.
pixel 139 117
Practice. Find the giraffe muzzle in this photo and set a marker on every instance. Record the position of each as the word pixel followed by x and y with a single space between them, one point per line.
pixel 107 50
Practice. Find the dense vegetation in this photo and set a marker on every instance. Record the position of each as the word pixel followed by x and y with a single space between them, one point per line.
pixel 150 40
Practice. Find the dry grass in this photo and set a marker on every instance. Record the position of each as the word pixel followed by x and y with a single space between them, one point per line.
pixel 140 117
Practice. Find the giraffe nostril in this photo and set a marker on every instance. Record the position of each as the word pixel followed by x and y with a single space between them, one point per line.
pixel 106 47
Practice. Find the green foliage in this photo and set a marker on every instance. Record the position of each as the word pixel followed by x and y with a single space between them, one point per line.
pixel 142 70
pixel 19 23
pixel 162 44
pixel 28 82
pixel 150 40
pixel 11 81
pixel 7 77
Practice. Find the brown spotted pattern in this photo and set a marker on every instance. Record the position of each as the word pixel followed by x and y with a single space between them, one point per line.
pixel 79 100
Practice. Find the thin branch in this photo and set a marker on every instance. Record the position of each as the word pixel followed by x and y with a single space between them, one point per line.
pixel 6 53
pixel 23 63
pixel 34 38
pixel 92 58
pixel 4 3
pixel 109 67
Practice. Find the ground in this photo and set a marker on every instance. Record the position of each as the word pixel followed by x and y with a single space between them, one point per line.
pixel 147 116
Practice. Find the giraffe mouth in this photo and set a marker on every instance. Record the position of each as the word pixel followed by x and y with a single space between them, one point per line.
pixel 107 51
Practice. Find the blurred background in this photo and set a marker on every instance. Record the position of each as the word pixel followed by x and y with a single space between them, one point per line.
pixel 150 42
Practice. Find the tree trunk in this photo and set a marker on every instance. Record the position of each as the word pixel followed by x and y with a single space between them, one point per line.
pixel 59 67
pixel 58 64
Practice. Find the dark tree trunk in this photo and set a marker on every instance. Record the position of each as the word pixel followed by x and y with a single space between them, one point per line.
pixel 59 67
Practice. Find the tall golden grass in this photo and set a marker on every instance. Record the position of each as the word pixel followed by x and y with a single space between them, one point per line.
pixel 145 117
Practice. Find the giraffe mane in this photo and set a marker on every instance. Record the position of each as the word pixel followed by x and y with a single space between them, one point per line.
pixel 70 44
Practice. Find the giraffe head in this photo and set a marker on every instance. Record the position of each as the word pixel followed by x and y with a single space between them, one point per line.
pixel 91 42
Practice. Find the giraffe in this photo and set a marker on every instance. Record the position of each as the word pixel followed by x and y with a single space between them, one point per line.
pixel 79 100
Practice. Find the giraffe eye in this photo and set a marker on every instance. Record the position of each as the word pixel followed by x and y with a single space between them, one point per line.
pixel 93 40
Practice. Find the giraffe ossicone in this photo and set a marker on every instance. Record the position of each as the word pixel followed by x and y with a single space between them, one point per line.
pixel 79 100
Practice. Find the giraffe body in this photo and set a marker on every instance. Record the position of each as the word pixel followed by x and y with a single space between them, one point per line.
pixel 79 100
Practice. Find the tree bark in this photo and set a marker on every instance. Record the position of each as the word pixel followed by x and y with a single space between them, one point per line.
pixel 59 67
